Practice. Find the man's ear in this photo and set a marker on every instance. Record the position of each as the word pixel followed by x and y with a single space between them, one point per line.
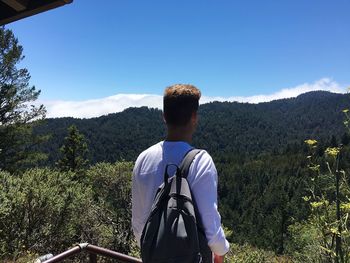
pixel 194 117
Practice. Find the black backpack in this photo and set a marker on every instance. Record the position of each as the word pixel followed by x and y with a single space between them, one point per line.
pixel 173 231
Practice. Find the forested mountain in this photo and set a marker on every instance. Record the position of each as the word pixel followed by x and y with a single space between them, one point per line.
pixel 225 128
pixel 264 169
pixel 258 149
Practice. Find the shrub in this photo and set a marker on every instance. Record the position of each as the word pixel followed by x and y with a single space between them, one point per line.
pixel 111 184
pixel 304 242
pixel 41 210
pixel 248 254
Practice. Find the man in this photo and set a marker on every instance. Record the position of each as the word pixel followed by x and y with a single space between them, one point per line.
pixel 180 105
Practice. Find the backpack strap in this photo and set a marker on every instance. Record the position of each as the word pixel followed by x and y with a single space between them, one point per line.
pixel 187 161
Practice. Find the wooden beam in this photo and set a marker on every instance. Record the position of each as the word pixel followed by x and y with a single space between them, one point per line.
pixel 30 11
pixel 18 5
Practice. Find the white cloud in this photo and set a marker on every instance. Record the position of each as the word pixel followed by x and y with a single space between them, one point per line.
pixel 325 84
pixel 117 103
pixel 98 107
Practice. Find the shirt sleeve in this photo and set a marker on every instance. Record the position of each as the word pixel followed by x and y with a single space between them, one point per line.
pixel 137 218
pixel 204 179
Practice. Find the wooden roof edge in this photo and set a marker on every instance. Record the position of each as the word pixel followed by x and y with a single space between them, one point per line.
pixel 31 12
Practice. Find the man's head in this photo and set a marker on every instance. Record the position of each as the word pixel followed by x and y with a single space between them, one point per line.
pixel 180 104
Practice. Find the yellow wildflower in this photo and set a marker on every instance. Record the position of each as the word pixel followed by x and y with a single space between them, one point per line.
pixel 319 204
pixel 334 230
pixel 345 207
pixel 310 142
pixel 306 198
pixel 345 110
pixel 332 151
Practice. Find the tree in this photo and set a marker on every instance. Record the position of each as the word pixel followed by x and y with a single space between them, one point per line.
pixel 74 152
pixel 17 111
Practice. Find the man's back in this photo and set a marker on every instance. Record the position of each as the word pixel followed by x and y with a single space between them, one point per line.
pixel 148 176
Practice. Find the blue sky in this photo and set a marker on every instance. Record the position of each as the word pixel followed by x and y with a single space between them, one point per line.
pixel 227 48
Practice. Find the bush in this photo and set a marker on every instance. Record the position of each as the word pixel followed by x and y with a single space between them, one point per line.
pixel 48 211
pixel 41 211
pixel 249 254
pixel 111 184
pixel 304 242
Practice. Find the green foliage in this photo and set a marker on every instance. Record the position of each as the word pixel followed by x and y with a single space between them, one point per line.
pixel 248 254
pixel 329 196
pixel 111 184
pixel 17 111
pixel 303 244
pixel 41 211
pixel 115 137
pixel 74 152
pixel 47 211
pixel 259 199
pixel 329 200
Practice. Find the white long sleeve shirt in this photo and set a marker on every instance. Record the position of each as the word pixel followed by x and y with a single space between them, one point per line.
pixel 202 177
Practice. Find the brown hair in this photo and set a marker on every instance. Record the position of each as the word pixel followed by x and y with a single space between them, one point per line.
pixel 179 102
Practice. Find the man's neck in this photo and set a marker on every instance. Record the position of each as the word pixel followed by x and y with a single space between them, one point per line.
pixel 179 135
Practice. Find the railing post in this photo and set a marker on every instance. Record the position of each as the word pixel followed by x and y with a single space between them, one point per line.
pixel 93 258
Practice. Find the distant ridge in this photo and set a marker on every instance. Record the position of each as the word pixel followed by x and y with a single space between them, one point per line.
pixel 242 128
pixel 320 94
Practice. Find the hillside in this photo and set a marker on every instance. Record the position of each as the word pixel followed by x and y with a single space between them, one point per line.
pixel 224 127
pixel 259 153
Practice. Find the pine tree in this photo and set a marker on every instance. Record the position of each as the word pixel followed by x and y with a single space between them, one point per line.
pixel 74 152
pixel 17 110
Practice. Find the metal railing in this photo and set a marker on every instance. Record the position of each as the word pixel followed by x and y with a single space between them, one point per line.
pixel 93 252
